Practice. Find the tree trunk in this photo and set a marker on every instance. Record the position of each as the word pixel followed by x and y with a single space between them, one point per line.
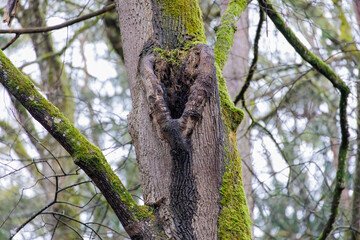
pixel 176 122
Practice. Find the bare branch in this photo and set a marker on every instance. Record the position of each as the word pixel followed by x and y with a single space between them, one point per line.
pixel 38 212
pixel 11 42
pixel 325 70
pixel 253 66
pixel 62 25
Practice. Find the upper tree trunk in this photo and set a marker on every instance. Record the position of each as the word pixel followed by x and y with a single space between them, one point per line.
pixel 179 137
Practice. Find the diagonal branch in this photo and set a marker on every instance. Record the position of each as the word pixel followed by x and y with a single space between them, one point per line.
pixel 253 66
pixel 324 69
pixel 62 25
pixel 87 156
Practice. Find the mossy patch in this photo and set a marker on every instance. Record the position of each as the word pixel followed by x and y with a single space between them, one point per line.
pixel 232 116
pixel 225 32
pixel 188 14
pixel 234 219
pixel 173 57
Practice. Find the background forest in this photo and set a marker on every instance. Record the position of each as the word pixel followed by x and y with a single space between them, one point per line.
pixel 289 141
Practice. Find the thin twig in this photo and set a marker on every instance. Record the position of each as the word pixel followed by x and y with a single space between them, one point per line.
pixel 58 218
pixel 38 212
pixel 62 25
pixel 253 66
pixel 73 219
pixel 325 70
pixel 11 42
pixel 42 145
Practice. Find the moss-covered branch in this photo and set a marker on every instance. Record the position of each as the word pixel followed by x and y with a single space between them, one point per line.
pixel 224 41
pixel 234 220
pixel 300 48
pixel 227 29
pixel 87 156
pixel 324 69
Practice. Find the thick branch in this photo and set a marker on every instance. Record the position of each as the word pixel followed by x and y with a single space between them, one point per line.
pixel 226 31
pixel 85 155
pixel 324 69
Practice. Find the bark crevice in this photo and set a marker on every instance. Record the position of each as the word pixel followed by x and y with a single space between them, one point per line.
pixel 177 93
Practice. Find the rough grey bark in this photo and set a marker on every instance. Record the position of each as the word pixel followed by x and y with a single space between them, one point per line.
pixel 235 71
pixel 154 153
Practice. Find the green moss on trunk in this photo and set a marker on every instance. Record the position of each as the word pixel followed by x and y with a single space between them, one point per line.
pixel 177 24
pixel 234 220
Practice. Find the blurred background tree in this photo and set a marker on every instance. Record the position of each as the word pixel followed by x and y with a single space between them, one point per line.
pixel 289 142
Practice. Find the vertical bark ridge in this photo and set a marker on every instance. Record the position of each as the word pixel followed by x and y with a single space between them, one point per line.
pixel 183 191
